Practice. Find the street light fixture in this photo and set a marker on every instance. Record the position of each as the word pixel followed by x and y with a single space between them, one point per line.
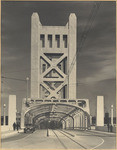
pixel 4 106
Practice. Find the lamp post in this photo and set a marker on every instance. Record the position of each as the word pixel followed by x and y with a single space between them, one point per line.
pixel 47 129
pixel 27 79
pixel 4 106
pixel 48 123
pixel 47 116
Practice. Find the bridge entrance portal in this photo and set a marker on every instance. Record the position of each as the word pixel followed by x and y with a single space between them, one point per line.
pixel 67 115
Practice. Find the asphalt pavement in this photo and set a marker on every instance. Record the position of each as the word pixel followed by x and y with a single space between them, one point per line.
pixel 60 139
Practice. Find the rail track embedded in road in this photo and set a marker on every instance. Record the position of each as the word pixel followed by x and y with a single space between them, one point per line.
pixel 59 140
pixel 62 132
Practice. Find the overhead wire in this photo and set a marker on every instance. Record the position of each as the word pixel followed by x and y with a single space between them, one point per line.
pixel 7 85
pixel 13 78
pixel 87 28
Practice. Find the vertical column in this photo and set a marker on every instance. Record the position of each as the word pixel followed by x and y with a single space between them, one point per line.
pixel 80 121
pixel 90 120
pixel 63 125
pixel 72 55
pixel 70 122
pixel 61 41
pixel 31 119
pixel 86 124
pixel 84 121
pixel 67 123
pixel 73 122
pixel 112 115
pixel 12 111
pixel 77 120
pixel 100 110
pixel 35 72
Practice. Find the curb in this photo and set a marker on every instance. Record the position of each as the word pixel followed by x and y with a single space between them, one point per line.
pixel 96 131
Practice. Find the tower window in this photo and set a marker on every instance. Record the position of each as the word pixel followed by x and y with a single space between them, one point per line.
pixel 65 41
pixel 42 39
pixel 57 37
pixel 2 120
pixel 50 40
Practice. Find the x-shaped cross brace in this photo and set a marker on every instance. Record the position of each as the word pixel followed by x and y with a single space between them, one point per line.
pixel 53 66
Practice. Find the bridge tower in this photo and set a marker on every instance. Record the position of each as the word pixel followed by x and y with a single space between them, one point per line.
pixel 53 49
pixel 53 77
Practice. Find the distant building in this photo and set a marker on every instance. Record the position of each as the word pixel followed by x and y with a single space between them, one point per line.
pixel 2 120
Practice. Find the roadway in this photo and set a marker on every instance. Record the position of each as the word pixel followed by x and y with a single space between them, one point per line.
pixel 57 139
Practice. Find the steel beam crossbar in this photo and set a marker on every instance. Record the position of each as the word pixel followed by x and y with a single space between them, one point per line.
pixel 53 66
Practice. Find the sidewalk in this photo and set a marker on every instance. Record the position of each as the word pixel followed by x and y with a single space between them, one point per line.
pixel 104 132
pixel 93 131
pixel 9 133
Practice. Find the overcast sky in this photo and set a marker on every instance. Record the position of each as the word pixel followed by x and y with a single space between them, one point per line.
pixel 97 58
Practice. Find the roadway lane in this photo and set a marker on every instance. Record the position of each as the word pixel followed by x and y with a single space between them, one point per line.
pixel 36 140
pixel 60 140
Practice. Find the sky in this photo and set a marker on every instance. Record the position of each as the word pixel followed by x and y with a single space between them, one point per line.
pixel 96 62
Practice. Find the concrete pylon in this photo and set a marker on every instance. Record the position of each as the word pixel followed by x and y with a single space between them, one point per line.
pixel 112 115
pixel 72 33
pixel 35 71
pixel 100 111
pixel 12 111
